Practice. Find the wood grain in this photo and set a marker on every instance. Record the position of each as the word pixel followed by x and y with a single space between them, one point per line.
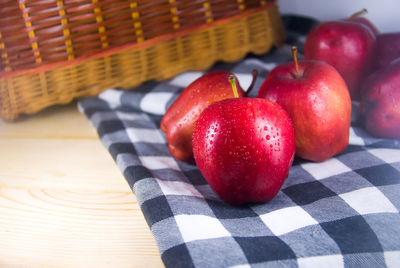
pixel 63 201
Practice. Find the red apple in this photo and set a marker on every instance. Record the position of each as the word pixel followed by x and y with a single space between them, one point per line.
pixel 381 101
pixel 347 46
pixel 244 148
pixel 178 121
pixel 388 48
pixel 318 102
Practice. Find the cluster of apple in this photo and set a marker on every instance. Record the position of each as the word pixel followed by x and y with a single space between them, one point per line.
pixel 369 62
pixel 244 147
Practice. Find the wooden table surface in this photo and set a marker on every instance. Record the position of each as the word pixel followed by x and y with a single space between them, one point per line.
pixel 63 200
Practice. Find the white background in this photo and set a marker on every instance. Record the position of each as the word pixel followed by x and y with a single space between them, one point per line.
pixel 385 14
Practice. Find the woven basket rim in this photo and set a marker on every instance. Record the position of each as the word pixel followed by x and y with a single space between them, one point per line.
pixel 146 43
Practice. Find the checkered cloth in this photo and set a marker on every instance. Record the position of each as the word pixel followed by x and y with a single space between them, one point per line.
pixel 342 212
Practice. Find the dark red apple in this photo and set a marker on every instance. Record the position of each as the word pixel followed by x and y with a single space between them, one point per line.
pixel 381 101
pixel 178 121
pixel 388 48
pixel 318 102
pixel 349 47
pixel 244 148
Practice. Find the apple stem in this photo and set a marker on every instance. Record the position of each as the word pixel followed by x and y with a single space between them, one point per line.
pixel 253 81
pixel 355 15
pixel 296 63
pixel 232 80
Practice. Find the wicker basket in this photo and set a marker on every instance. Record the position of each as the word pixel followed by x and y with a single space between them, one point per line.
pixel 53 51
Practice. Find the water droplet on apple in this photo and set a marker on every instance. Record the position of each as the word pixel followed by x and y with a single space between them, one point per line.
pixel 265 128
pixel 268 137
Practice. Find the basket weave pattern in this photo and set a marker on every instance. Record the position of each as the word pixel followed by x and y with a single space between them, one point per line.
pixel 53 51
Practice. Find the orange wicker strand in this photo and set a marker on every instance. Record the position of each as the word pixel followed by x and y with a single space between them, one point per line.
pixel 208 12
pixel 67 35
pixel 241 5
pixel 174 12
pixel 31 32
pixel 53 51
pixel 99 20
pixel 5 63
pixel 136 23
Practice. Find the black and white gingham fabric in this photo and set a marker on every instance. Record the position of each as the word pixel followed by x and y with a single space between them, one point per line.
pixel 343 212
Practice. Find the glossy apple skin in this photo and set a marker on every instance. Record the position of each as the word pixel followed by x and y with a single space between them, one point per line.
pixel 244 148
pixel 317 101
pixel 349 47
pixel 381 101
pixel 388 48
pixel 179 119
